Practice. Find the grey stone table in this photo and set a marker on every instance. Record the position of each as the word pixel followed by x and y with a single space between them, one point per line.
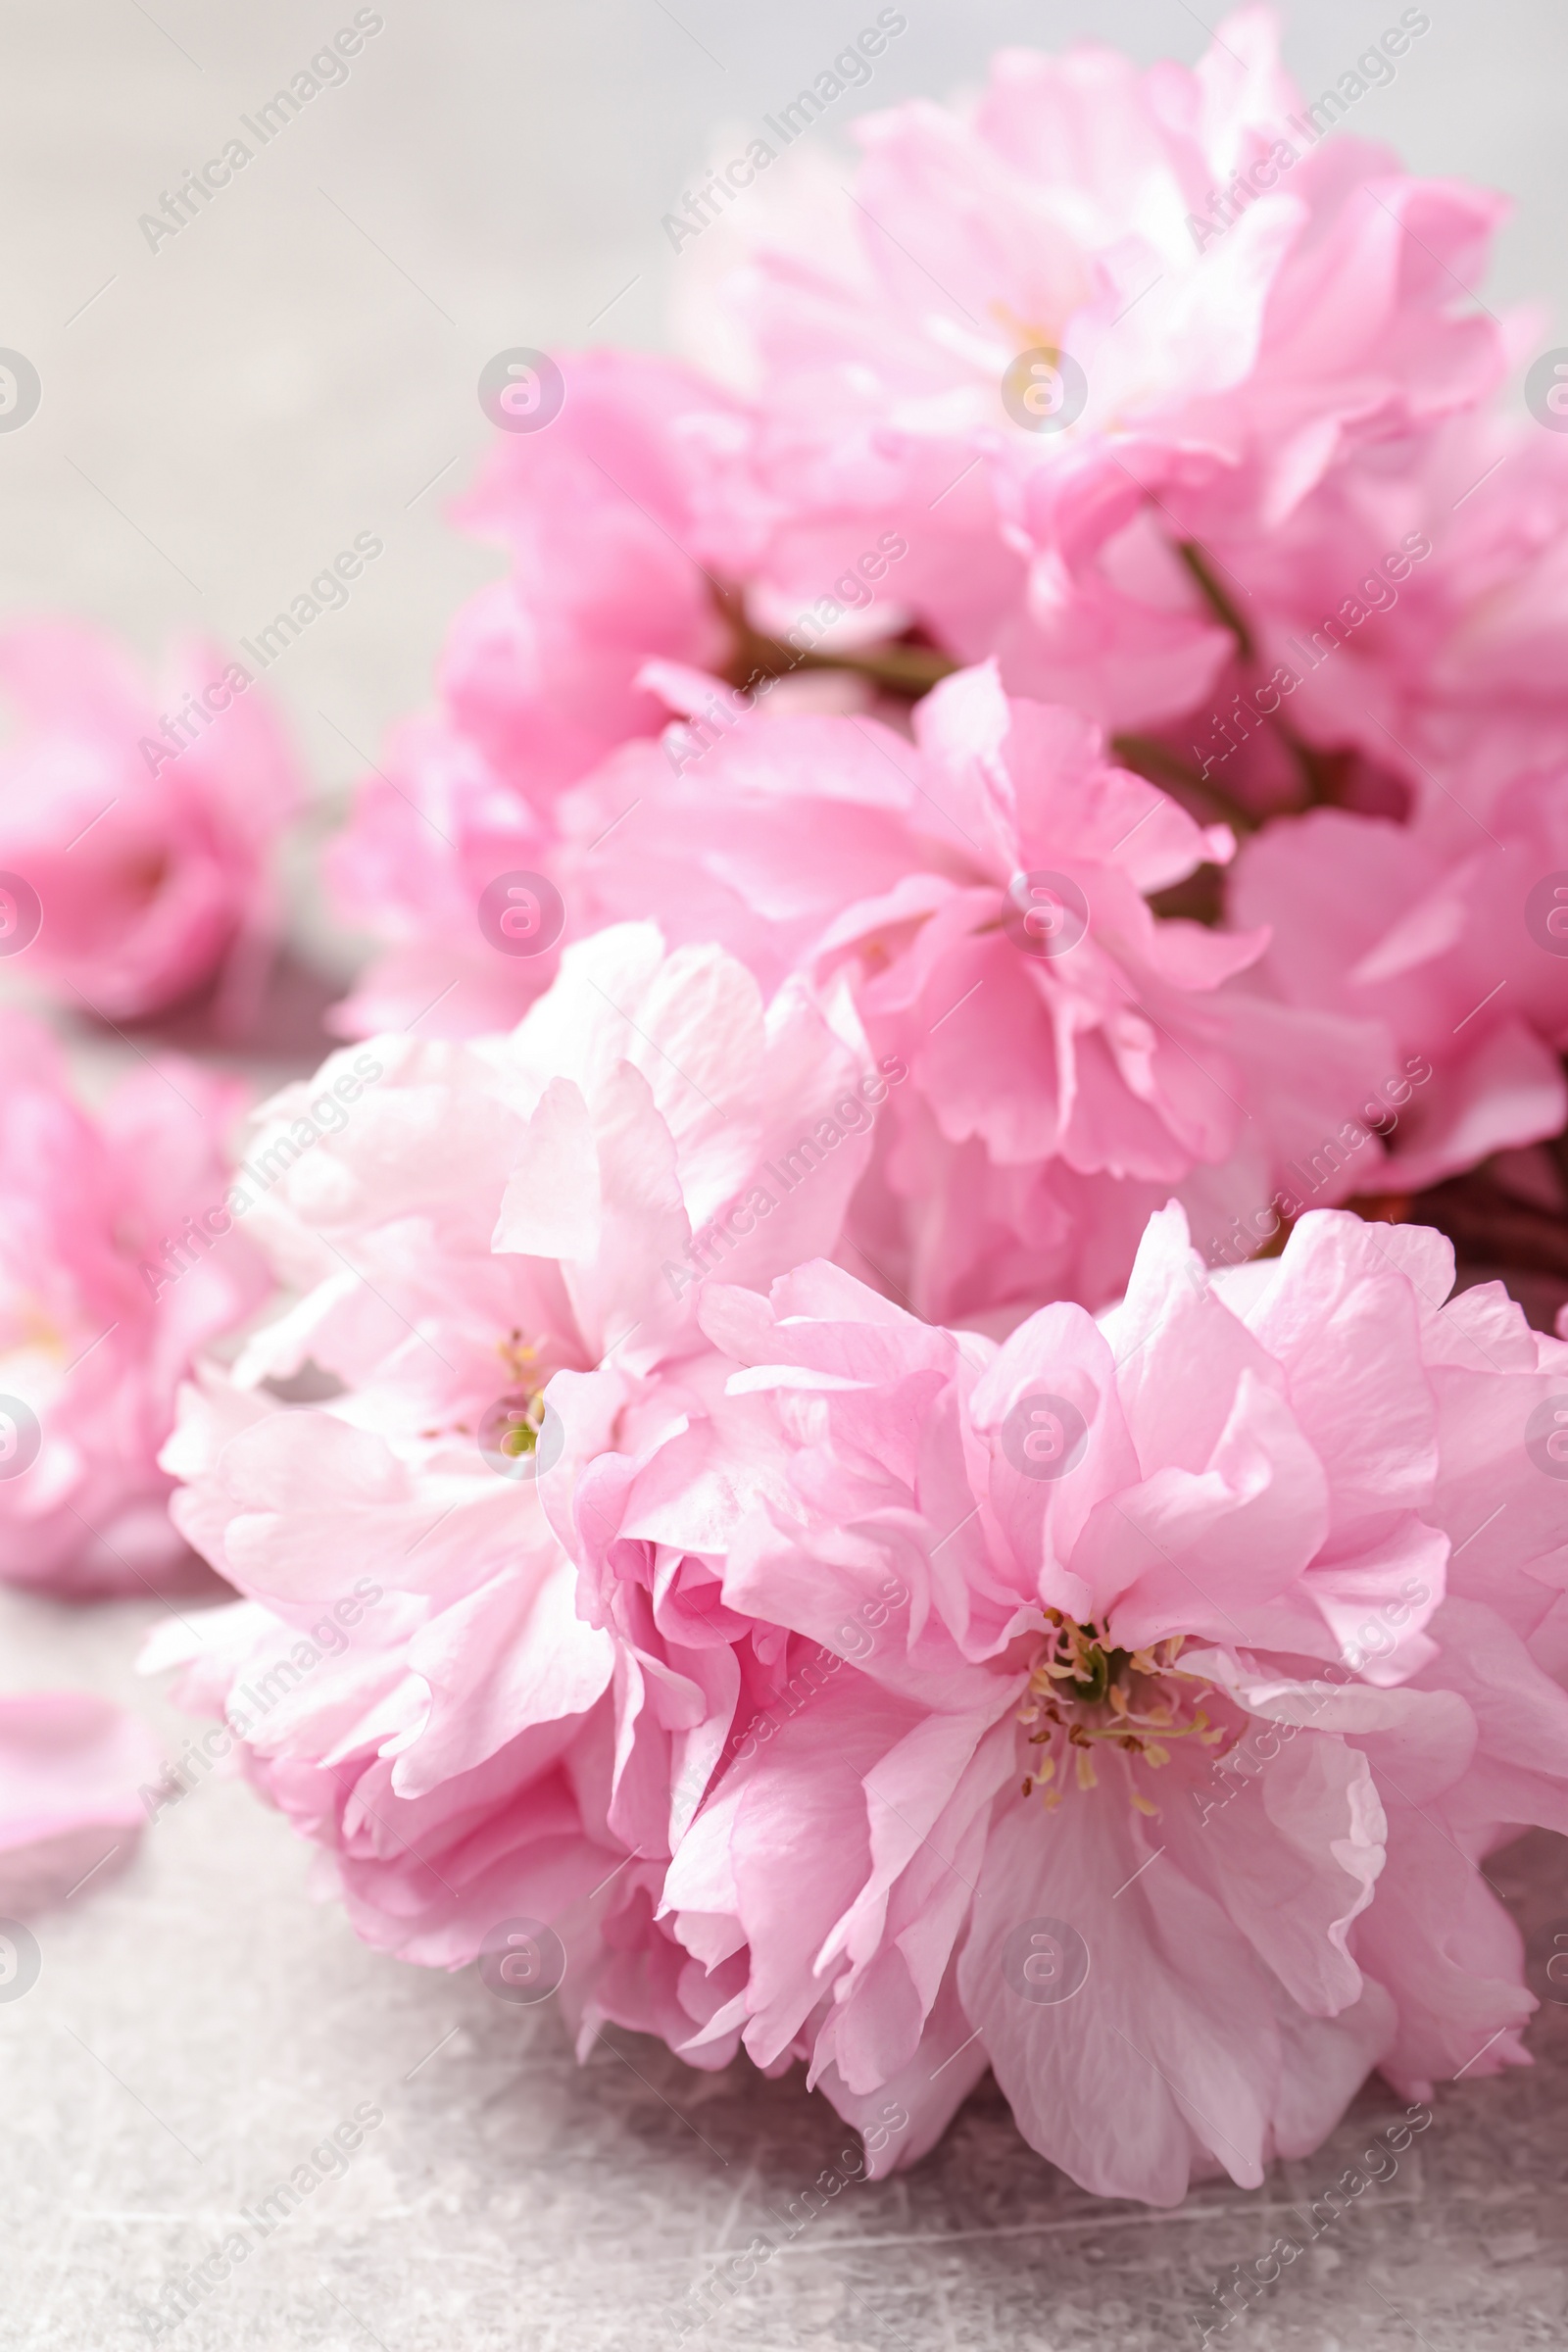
pixel 219 416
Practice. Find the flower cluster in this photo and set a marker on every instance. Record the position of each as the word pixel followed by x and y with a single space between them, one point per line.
pixel 869 1451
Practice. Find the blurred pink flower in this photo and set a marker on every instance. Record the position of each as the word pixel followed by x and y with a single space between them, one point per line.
pixel 143 829
pixel 71 1770
pixel 112 1277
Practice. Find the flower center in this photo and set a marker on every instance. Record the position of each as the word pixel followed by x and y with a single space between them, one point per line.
pixel 1085 1693
pixel 521 1419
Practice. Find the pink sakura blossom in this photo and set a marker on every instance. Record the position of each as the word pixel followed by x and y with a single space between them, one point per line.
pixel 71 1771
pixel 540 678
pixel 467 1746
pixel 1394 666
pixel 1053 338
pixel 105 1299
pixel 984 891
pixel 141 831
pixel 1397 632
pixel 1127 1707
pixel 1461 953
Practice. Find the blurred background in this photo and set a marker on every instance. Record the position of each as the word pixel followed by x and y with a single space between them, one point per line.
pixel 222 414
pixel 223 409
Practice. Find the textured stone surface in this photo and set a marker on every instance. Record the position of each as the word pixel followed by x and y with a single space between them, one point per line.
pixel 223 416
pixel 200 2025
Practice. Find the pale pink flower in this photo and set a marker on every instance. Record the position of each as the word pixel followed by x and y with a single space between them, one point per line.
pixel 463 1743
pixel 1126 1708
pixel 71 1771
pixel 117 1266
pixel 142 830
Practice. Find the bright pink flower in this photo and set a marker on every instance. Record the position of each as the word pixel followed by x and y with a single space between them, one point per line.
pixel 1242 302
pixel 1072 1056
pixel 1460 953
pixel 1127 1707
pixel 143 830
pixel 465 1745
pixel 1398 627
pixel 1394 668
pixel 71 1770
pixel 111 1280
